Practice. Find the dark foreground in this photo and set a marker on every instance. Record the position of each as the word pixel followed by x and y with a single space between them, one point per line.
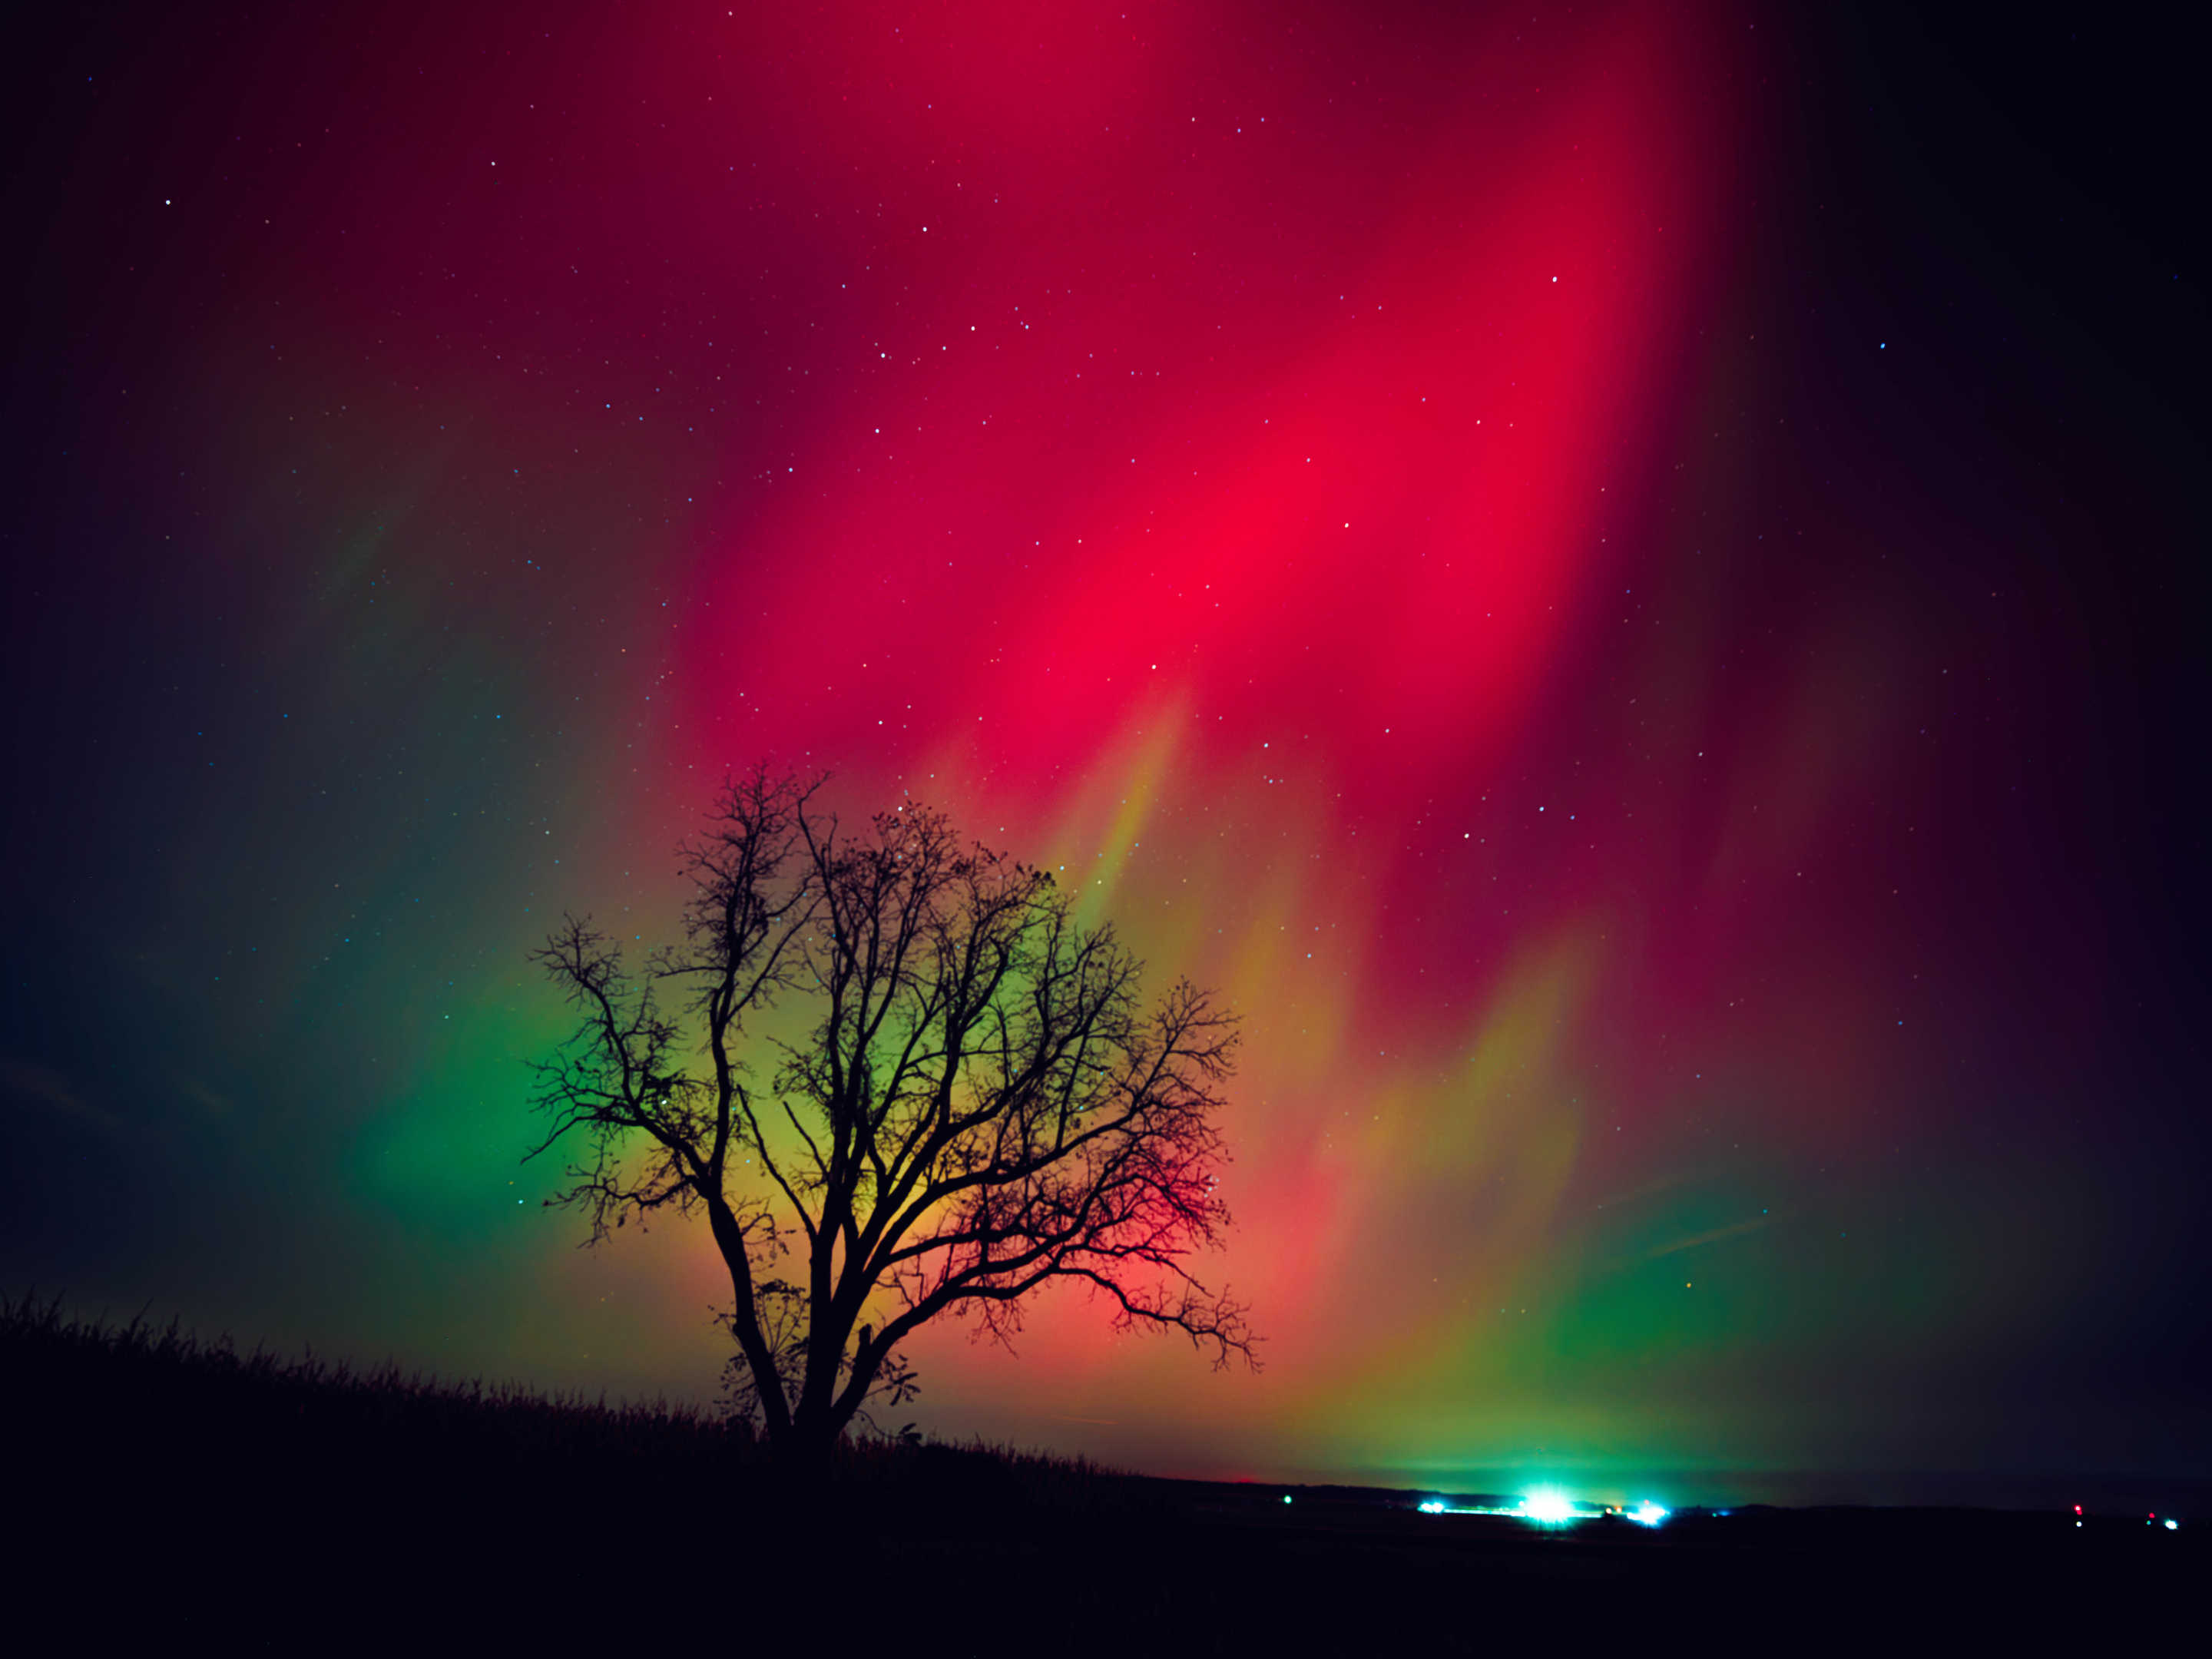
pixel 178 1495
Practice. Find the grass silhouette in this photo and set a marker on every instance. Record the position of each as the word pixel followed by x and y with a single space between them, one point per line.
pixel 157 1406
pixel 178 1490
pixel 233 1490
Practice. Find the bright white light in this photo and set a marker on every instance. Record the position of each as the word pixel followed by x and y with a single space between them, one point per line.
pixel 1547 1507
pixel 1648 1513
pixel 2173 1525
pixel 1432 1507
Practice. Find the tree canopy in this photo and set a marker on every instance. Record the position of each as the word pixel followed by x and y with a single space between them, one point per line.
pixel 984 1102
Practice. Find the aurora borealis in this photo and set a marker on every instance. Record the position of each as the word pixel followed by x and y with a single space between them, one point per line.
pixel 1622 581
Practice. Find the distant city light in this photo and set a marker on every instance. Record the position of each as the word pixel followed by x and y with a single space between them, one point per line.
pixel 2173 1525
pixel 1542 1508
pixel 1648 1513
pixel 1546 1508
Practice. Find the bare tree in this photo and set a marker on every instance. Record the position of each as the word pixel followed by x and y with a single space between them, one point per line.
pixel 984 1105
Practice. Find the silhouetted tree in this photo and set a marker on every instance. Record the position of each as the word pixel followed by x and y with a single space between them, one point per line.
pixel 984 1104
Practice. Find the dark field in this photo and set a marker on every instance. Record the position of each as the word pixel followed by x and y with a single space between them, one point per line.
pixel 179 1493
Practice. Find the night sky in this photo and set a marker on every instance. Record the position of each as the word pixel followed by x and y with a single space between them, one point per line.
pixel 1626 581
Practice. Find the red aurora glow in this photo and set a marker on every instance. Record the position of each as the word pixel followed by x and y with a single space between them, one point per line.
pixel 1213 478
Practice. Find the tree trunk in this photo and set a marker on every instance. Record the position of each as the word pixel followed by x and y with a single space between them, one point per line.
pixel 803 1452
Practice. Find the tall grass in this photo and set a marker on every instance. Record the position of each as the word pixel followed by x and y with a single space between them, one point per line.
pixel 86 1400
